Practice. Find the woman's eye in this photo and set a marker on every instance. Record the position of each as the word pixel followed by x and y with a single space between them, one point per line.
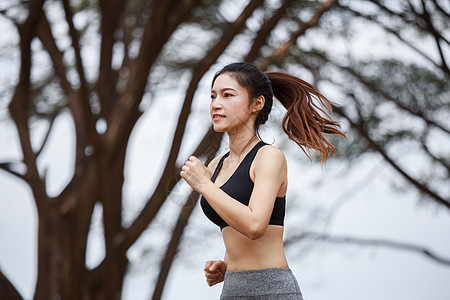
pixel 228 95
pixel 213 97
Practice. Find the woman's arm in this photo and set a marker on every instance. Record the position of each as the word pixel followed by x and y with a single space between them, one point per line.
pixel 269 169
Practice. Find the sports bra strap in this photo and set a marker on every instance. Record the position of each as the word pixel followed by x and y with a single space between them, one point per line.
pixel 219 166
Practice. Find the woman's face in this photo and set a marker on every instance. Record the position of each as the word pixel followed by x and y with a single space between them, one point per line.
pixel 229 107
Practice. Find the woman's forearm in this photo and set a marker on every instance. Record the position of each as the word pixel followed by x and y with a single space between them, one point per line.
pixel 233 212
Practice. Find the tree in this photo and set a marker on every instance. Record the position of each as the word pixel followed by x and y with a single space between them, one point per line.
pixel 139 50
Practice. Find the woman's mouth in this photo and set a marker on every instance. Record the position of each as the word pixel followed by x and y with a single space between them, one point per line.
pixel 217 117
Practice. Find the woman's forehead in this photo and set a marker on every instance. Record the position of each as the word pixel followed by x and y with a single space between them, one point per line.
pixel 226 81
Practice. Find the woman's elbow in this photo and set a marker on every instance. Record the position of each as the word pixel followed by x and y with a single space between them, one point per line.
pixel 256 231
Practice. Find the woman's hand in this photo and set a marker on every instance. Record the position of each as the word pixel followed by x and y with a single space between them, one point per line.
pixel 195 173
pixel 215 271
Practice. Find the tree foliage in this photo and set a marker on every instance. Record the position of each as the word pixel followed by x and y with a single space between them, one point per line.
pixel 101 61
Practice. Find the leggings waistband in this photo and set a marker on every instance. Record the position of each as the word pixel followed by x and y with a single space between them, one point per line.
pixel 271 283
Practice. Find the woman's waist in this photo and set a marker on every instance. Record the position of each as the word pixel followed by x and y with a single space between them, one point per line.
pixel 248 256
pixel 252 263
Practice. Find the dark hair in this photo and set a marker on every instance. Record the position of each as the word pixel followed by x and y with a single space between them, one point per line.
pixel 305 121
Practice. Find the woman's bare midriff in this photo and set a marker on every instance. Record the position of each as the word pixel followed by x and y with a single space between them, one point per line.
pixel 247 254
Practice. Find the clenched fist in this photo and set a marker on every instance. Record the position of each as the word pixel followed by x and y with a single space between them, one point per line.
pixel 215 271
pixel 195 173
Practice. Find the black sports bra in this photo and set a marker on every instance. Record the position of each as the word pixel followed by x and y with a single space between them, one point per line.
pixel 240 186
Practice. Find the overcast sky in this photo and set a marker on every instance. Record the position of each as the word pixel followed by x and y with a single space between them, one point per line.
pixel 375 210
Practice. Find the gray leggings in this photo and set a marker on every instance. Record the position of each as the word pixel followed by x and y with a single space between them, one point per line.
pixel 262 284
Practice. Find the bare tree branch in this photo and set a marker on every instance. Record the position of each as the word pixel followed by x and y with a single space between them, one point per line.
pixel 6 166
pixel 376 89
pixel 342 239
pixel 265 30
pixel 282 51
pixel 398 35
pixel 50 127
pixel 441 9
pixel 88 119
pixel 106 84
pixel 439 160
pixel 44 33
pixel 7 289
pixel 20 103
pixel 172 248
pixel 209 147
pixel 409 21
pixel 127 30
pixel 437 36
pixel 373 144
pixel 351 192
pixel 165 19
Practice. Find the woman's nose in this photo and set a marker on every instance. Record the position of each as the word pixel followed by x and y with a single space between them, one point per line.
pixel 215 104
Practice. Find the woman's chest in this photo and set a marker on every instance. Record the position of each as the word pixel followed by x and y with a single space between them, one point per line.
pixel 226 172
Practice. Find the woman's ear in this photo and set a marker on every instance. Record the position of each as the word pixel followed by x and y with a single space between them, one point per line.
pixel 258 104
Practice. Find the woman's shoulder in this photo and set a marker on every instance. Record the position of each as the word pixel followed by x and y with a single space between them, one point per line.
pixel 270 153
pixel 269 161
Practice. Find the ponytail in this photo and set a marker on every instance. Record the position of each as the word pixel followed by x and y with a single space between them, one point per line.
pixel 306 120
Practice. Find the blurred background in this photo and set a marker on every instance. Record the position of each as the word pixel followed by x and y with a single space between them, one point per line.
pixel 102 101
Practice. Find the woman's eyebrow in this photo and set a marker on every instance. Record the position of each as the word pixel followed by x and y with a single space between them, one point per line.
pixel 224 89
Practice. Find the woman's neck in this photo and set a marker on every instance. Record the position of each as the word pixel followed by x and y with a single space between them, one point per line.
pixel 240 143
